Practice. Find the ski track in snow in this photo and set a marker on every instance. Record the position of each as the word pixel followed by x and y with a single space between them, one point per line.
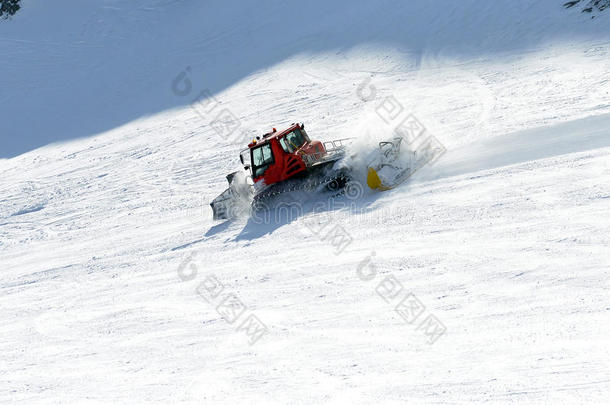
pixel 505 239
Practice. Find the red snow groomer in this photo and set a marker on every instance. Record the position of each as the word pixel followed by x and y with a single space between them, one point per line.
pixel 278 162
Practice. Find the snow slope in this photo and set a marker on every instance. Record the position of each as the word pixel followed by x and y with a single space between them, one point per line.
pixel 73 69
pixel 106 239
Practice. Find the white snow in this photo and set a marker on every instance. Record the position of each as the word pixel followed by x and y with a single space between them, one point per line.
pixel 105 240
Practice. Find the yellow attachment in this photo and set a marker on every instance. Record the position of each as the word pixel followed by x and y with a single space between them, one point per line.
pixel 372 179
pixel 374 182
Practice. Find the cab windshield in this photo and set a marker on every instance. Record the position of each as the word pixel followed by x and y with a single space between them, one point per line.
pixel 262 158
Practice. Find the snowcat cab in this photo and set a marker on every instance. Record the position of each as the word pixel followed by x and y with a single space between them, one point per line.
pixel 279 156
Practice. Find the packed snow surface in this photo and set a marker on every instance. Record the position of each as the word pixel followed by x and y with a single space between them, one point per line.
pixel 485 278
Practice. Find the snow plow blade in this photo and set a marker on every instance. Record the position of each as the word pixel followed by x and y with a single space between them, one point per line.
pixel 223 205
pixel 235 200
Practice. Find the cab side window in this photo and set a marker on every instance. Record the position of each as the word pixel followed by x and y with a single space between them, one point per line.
pixel 285 145
pixel 295 139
